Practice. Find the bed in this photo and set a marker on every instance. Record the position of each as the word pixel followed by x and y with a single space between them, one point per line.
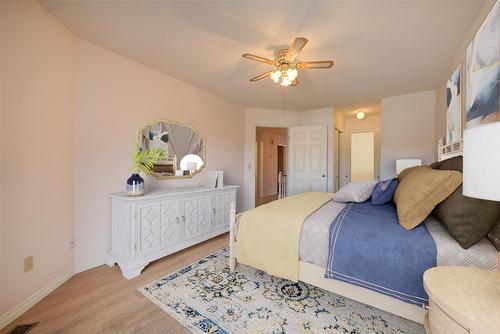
pixel 314 255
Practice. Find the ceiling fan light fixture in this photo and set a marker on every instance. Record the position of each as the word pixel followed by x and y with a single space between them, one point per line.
pixel 292 73
pixel 285 82
pixel 286 68
pixel 275 76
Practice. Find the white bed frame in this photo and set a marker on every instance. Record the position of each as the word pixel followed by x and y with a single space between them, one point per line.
pixel 450 151
pixel 314 275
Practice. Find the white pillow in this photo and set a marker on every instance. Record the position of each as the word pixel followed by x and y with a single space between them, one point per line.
pixel 355 191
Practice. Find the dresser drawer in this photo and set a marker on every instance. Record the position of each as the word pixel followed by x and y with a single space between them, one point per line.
pixel 438 322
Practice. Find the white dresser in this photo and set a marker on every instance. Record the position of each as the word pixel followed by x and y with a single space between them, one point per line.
pixel 146 228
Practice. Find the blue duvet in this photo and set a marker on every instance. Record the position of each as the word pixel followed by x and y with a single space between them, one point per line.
pixel 369 248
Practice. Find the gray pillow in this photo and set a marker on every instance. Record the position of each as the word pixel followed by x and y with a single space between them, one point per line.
pixel 355 191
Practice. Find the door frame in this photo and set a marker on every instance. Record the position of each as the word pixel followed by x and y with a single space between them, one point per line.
pixel 257 160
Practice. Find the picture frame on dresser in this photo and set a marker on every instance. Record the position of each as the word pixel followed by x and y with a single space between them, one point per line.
pixel 147 228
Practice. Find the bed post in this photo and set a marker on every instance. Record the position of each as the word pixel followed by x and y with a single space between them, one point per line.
pixel 232 221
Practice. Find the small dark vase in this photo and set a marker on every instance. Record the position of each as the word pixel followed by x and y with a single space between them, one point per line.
pixel 135 185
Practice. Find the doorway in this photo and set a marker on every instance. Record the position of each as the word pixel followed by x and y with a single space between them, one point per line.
pixel 362 156
pixel 271 159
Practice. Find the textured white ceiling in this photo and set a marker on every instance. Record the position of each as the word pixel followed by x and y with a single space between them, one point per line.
pixel 380 48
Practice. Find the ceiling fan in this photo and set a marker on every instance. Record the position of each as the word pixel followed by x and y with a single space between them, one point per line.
pixel 286 69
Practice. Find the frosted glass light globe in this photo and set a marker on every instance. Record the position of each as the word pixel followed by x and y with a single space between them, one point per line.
pixel 292 74
pixel 285 82
pixel 275 76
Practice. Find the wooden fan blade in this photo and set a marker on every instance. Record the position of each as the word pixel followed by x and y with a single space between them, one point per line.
pixel 257 58
pixel 315 64
pixel 297 46
pixel 295 82
pixel 261 76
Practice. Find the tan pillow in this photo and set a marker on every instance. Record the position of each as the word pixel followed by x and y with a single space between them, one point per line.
pixel 408 170
pixel 420 191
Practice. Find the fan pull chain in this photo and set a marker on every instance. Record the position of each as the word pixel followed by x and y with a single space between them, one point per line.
pixel 283 99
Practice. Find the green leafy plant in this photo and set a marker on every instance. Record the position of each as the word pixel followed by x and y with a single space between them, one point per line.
pixel 145 159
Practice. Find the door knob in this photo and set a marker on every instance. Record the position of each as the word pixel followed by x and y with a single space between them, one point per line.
pixel 323 175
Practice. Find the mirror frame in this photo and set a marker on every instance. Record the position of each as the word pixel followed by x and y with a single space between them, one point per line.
pixel 171 177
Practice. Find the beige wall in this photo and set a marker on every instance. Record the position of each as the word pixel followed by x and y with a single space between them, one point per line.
pixel 407 130
pixel 115 96
pixel 37 149
pixel 69 114
pixel 367 124
pixel 458 58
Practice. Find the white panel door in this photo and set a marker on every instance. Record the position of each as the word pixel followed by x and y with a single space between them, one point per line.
pixel 308 156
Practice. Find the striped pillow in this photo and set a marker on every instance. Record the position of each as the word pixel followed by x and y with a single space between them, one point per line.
pixel 384 191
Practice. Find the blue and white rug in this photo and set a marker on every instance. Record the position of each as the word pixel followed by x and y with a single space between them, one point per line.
pixel 207 298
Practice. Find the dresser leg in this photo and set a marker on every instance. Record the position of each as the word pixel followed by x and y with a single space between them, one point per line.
pixel 130 273
pixel 110 260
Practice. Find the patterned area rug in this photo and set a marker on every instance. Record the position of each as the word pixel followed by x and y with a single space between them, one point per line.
pixel 207 298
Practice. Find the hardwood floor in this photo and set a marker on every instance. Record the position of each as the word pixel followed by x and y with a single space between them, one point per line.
pixel 101 300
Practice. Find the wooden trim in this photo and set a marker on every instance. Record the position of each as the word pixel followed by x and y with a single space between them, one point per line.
pixel 29 302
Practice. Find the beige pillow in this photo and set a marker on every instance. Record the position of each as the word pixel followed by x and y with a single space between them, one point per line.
pixel 408 170
pixel 420 191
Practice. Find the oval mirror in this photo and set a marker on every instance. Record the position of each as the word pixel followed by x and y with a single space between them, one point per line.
pixel 184 147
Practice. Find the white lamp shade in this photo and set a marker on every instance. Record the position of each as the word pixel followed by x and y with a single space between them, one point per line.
pixel 482 161
pixel 402 164
pixel 191 162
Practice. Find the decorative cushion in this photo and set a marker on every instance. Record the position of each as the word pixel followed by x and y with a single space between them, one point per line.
pixel 384 191
pixel 407 171
pixel 355 191
pixel 420 191
pixel 467 219
pixel 455 163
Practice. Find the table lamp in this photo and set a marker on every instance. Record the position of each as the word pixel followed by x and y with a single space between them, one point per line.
pixel 482 161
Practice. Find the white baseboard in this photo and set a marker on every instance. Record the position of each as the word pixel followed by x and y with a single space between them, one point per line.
pixel 88 266
pixel 29 302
